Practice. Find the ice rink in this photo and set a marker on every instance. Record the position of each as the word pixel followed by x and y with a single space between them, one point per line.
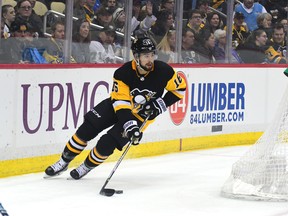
pixel 180 184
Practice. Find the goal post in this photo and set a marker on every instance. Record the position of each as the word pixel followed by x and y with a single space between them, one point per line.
pixel 262 172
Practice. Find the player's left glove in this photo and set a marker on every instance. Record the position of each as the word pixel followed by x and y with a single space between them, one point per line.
pixel 154 108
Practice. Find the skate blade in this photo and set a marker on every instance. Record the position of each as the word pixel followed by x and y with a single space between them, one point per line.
pixel 49 177
pixel 70 178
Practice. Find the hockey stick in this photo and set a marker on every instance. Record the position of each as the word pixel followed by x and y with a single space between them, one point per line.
pixel 109 191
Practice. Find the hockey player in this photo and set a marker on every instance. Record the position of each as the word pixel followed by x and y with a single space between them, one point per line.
pixel 141 86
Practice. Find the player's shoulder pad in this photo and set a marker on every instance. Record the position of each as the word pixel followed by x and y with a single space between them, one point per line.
pixel 163 67
pixel 123 70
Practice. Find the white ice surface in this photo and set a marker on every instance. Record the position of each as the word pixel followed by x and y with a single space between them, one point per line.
pixel 181 184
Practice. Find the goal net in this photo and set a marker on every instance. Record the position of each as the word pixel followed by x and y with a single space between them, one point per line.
pixel 262 174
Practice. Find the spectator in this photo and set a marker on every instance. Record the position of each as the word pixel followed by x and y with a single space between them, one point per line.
pixel 188 55
pixel 240 31
pixel 264 21
pixel 137 27
pixel 54 46
pixel 8 16
pixel 204 46
pixel 167 5
pixel 166 47
pixel 101 49
pixel 81 41
pixel 83 9
pixel 104 16
pixel 253 50
pixel 219 5
pixel 220 46
pixel 112 5
pixel 203 6
pixel 195 21
pixel 24 14
pixel 277 8
pixel 163 23
pixel 277 43
pixel 143 25
pixel 284 22
pixel 251 10
pixel 22 38
pixel 213 22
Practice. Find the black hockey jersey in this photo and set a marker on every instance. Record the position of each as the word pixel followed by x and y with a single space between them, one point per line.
pixel 132 90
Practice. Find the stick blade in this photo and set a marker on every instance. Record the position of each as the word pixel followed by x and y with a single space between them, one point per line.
pixel 110 192
pixel 107 192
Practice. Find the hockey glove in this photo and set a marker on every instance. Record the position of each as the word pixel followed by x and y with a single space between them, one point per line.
pixel 154 108
pixel 132 132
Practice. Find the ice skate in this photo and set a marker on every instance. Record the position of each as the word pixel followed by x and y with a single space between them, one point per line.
pixel 80 171
pixel 56 169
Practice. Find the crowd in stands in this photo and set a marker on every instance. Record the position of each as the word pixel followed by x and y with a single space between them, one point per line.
pixel 259 31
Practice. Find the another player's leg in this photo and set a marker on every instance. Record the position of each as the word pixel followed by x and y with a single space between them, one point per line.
pixel 105 147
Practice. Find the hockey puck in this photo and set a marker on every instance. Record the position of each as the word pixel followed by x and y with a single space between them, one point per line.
pixel 119 191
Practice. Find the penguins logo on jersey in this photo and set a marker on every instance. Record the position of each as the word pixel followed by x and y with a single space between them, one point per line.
pixel 141 97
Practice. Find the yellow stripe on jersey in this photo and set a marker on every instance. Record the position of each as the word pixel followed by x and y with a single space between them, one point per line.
pixel 177 86
pixel 121 95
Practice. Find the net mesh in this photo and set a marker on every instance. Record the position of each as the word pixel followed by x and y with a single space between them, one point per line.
pixel 261 174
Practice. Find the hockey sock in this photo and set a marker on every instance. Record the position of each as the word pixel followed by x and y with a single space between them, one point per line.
pixel 73 148
pixel 94 158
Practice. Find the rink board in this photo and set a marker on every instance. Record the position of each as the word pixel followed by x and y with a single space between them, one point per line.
pixel 42 107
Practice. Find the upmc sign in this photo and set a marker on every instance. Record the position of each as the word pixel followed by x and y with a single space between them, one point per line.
pixel 178 110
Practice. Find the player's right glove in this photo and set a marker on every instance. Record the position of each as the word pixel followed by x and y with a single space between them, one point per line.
pixel 132 132
pixel 154 108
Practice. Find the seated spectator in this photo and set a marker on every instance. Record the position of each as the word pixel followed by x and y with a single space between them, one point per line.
pixel 83 9
pixel 284 22
pixel 24 13
pixel 204 46
pixel 253 50
pixel 104 16
pixel 213 22
pixel 220 5
pixel 264 21
pixel 251 10
pixel 167 5
pixel 81 41
pixel 278 49
pixel 101 48
pixel 188 55
pixel 203 7
pixel 112 5
pixel 166 47
pixel 195 21
pixel 54 47
pixel 277 8
pixel 239 30
pixel 219 51
pixel 8 16
pixel 162 25
pixel 22 38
